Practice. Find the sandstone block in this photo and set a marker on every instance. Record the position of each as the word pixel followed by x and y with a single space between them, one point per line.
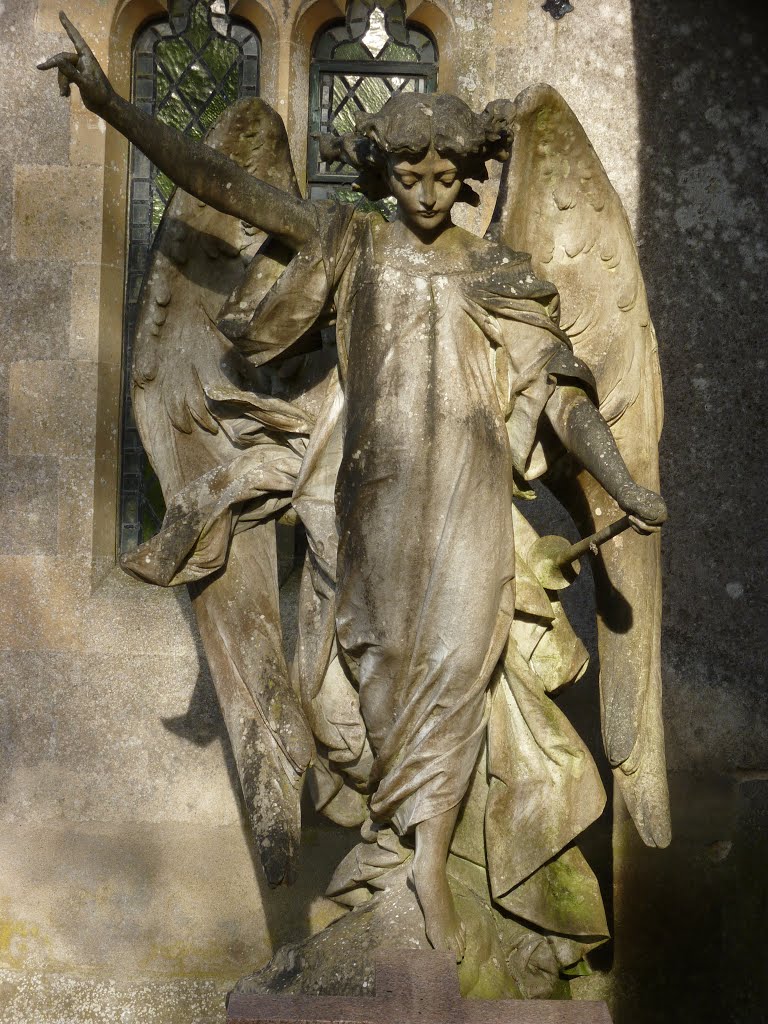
pixel 40 603
pixel 28 505
pixel 57 213
pixel 52 408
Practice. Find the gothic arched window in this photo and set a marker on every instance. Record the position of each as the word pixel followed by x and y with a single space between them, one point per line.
pixel 357 65
pixel 187 68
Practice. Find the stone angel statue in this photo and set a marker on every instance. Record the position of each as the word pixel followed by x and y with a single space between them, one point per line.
pixel 421 703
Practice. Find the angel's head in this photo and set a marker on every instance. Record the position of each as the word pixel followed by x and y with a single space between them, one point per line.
pixel 421 149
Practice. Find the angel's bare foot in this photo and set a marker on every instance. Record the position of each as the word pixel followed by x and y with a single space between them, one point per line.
pixel 444 928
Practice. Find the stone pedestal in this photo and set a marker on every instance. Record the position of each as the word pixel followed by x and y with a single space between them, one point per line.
pixel 412 987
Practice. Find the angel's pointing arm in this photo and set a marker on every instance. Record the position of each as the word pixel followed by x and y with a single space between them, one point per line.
pixel 195 167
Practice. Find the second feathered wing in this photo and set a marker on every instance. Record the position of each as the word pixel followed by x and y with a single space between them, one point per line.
pixel 227 450
pixel 557 203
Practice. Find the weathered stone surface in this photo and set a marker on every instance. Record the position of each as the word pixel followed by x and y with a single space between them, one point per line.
pixel 99 16
pixel 29 505
pixel 703 139
pixel 596 87
pixel 88 138
pixel 40 604
pixel 84 313
pixel 74 526
pixel 124 617
pixel 29 997
pixel 94 900
pixel 132 905
pixel 86 721
pixel 4 405
pixel 6 206
pixel 36 297
pixel 52 408
pixel 57 213
pixel 36 129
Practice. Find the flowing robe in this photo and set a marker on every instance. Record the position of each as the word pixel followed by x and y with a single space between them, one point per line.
pixel 424 507
pixel 403 478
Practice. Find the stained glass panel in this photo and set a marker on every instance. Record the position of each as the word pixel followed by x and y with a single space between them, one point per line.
pixel 187 69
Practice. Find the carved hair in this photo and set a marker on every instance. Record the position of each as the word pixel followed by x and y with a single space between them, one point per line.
pixel 408 125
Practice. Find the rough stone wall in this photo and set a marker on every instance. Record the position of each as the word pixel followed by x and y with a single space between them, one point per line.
pixel 127 887
pixel 702 154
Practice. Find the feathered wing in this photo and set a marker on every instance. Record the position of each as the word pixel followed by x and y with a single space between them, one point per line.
pixel 557 203
pixel 182 364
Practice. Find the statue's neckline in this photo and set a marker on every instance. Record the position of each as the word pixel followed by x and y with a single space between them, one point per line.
pixel 483 259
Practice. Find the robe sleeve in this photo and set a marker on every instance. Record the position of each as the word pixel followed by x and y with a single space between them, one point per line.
pixel 538 362
pixel 283 296
pixel 520 315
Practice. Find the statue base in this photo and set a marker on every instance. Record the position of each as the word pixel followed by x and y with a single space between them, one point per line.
pixel 411 987
pixel 505 960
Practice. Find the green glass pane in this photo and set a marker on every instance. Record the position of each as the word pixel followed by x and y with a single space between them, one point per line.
pixel 198 28
pixel 220 55
pixel 175 56
pixel 158 209
pixel 402 84
pixel 352 93
pixel 351 51
pixel 372 94
pixel 344 120
pixel 175 113
pixel 196 88
pixel 342 84
pixel 164 185
pixel 162 88
pixel 213 111
pixel 161 194
pixel 397 52
pixel 231 85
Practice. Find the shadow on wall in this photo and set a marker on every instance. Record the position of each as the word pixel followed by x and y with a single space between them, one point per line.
pixel 287 909
pixel 691 921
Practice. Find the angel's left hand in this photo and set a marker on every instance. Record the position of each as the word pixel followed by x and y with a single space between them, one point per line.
pixel 647 510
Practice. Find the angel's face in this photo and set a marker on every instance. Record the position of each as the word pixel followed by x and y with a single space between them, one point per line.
pixel 425 191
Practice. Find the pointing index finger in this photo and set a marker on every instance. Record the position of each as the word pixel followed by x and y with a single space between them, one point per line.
pixel 80 44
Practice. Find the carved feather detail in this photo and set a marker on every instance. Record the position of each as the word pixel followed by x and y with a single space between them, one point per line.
pixel 557 203
pixel 184 370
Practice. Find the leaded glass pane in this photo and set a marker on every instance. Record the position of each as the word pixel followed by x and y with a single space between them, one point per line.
pixel 187 69
pixel 356 67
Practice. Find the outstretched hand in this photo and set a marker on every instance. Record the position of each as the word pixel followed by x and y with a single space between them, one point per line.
pixel 82 68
